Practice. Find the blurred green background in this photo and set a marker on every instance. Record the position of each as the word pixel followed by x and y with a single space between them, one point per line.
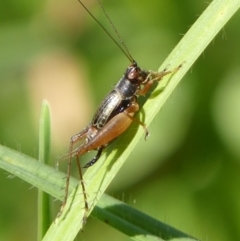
pixel 187 174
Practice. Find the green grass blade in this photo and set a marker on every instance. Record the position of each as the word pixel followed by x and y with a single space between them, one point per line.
pixel 98 178
pixel 44 133
pixel 132 222
pixel 135 224
pixel 32 171
pixel 44 218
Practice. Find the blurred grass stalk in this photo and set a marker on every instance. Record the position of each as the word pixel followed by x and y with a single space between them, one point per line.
pixel 44 210
pixel 98 178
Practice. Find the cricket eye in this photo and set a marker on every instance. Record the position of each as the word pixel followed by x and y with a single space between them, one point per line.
pixel 132 74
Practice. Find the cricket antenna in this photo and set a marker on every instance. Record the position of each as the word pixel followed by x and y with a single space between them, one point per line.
pixel 124 49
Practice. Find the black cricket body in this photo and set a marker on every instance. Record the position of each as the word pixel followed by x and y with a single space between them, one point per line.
pixel 121 96
pixel 115 114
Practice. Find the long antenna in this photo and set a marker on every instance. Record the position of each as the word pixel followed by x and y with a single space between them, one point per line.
pixel 124 49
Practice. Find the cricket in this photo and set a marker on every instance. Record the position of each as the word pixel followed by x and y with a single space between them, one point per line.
pixel 115 114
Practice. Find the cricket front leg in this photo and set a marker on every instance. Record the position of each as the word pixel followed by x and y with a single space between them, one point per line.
pixel 156 76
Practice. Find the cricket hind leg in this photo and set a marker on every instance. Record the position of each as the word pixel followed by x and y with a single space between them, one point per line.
pixel 95 159
pixel 86 207
pixel 74 139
